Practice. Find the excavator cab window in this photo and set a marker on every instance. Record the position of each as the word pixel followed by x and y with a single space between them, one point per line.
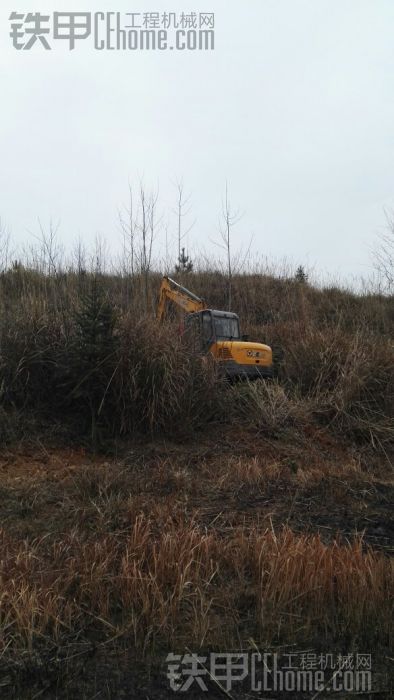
pixel 226 326
pixel 204 328
pixel 200 331
pixel 193 332
pixel 207 330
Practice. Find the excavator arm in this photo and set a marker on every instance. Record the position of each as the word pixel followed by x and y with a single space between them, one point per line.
pixel 172 291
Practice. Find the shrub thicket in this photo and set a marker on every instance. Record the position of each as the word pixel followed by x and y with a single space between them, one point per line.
pixel 77 350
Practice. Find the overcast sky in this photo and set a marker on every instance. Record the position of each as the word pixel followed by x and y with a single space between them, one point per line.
pixel 294 108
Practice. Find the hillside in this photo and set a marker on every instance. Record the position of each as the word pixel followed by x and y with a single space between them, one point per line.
pixel 148 507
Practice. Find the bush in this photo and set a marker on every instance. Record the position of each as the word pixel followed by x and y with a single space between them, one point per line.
pixel 157 385
pixel 107 375
pixel 349 377
pixel 266 406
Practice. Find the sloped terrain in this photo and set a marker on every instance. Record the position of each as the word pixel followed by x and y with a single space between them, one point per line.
pixel 113 561
pixel 147 506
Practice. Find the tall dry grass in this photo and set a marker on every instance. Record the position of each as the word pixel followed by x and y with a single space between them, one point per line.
pixel 176 584
pixel 333 356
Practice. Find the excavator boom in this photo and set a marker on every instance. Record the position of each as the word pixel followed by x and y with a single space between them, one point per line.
pixel 172 291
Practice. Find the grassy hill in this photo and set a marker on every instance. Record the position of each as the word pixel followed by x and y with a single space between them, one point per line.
pixel 147 506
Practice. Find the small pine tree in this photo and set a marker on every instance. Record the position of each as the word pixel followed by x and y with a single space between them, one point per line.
pixel 301 275
pixel 92 353
pixel 184 263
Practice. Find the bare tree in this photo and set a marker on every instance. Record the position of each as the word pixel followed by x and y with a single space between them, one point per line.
pixel 138 224
pixel 383 254
pixel 183 210
pixel 5 243
pixel 229 219
pixel 144 265
pixel 128 225
pixel 147 226
pixel 48 256
pixel 78 257
pixel 101 256
pixel 167 260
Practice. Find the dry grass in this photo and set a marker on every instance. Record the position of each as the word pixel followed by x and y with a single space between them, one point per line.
pixel 176 545
pixel 233 517
pixel 73 349
pixel 177 584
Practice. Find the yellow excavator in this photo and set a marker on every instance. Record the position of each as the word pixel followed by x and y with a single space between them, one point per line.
pixel 217 333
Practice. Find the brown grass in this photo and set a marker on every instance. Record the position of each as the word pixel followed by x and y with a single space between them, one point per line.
pixel 177 584
pixel 211 544
pixel 236 516
pixel 332 349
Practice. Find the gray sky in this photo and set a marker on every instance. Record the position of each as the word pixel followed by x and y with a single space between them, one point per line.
pixel 294 108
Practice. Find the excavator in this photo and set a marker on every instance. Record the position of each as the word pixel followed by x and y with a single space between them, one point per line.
pixel 216 333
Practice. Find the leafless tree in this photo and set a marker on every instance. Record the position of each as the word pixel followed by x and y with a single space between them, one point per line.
pixel 147 226
pixel 5 246
pixel 48 255
pixel 182 211
pixel 167 259
pixel 139 223
pixel 230 218
pixel 78 257
pixel 128 225
pixel 383 255
pixel 101 255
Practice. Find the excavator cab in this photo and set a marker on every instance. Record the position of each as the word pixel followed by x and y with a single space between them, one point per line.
pixel 211 326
